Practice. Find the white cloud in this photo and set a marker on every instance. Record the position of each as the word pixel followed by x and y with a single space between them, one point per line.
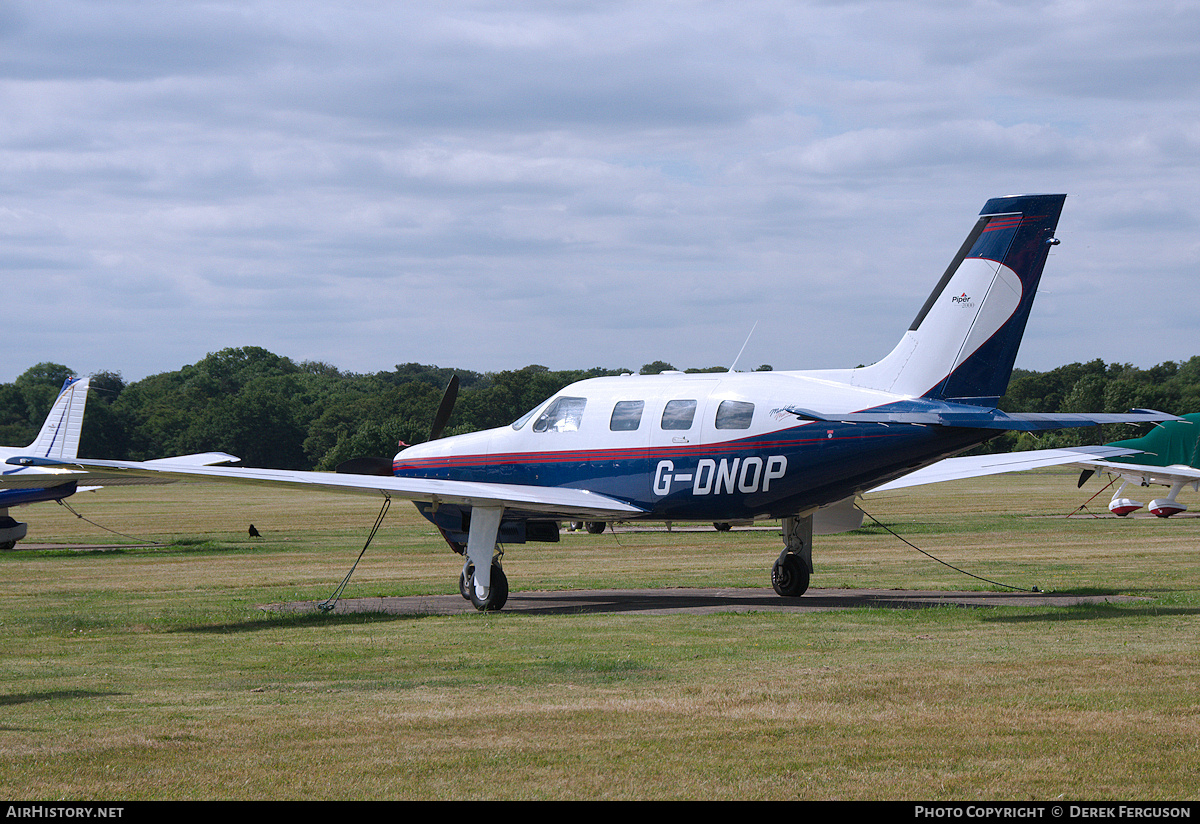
pixel 487 185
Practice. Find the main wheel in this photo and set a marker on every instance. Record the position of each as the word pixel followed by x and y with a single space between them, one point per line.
pixel 789 576
pixel 497 593
pixel 595 527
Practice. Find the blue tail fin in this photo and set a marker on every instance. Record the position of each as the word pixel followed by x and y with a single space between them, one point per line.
pixel 964 341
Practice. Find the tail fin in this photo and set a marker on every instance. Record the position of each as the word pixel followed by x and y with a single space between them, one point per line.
pixel 1171 443
pixel 60 433
pixel 964 341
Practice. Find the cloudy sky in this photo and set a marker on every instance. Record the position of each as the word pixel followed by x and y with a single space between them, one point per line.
pixel 487 185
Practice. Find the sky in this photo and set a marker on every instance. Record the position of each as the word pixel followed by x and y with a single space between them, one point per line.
pixel 488 185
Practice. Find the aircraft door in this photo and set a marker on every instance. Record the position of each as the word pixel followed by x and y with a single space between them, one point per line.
pixel 677 433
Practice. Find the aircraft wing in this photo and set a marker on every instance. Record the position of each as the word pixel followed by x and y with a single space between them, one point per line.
pixel 46 473
pixel 199 459
pixel 557 502
pixel 1146 474
pixel 975 466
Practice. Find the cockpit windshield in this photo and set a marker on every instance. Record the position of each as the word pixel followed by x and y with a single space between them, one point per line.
pixel 563 415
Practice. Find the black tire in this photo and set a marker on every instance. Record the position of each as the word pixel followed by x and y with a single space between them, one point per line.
pixel 464 582
pixel 497 593
pixel 721 526
pixel 789 576
pixel 595 527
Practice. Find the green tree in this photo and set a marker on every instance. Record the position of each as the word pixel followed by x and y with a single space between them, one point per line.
pixel 39 385
pixel 656 368
pixel 104 434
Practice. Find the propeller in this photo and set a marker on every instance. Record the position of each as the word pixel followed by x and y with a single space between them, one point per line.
pixel 365 466
pixel 444 409
pixel 383 466
pixel 1083 477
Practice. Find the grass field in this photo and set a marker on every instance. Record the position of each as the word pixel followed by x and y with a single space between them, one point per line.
pixel 154 673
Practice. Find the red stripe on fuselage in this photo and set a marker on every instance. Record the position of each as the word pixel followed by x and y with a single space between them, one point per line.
pixel 606 455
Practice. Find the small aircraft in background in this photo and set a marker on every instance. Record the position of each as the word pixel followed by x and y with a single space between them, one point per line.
pixel 46 469
pixel 1169 455
pixel 57 440
pixel 798 446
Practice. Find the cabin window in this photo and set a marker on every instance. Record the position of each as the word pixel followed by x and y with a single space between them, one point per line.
pixel 626 416
pixel 734 415
pixel 563 415
pixel 678 415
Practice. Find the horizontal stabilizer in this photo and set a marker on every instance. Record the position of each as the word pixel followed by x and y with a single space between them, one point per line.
pixel 1147 473
pixel 199 459
pixel 973 417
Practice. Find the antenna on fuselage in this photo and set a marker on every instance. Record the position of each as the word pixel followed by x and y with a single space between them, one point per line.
pixel 743 349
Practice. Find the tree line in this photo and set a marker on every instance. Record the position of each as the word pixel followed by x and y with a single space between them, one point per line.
pixel 274 412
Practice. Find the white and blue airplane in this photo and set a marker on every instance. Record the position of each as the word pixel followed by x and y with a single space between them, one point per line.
pixel 796 445
pixel 45 470
pixel 58 440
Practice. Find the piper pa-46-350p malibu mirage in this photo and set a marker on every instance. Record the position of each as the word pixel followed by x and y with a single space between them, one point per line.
pixel 798 446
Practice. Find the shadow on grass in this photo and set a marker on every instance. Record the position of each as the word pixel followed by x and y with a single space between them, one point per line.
pixel 301 620
pixel 53 695
pixel 1093 612
pixel 177 547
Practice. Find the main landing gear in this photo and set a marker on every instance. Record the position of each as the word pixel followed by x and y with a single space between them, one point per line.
pixel 487 589
pixel 1162 507
pixel 793 568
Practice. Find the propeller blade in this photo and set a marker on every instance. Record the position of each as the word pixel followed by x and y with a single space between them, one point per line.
pixel 1083 477
pixel 444 409
pixel 366 466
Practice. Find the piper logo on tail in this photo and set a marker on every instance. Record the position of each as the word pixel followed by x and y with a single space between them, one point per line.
pixel 728 475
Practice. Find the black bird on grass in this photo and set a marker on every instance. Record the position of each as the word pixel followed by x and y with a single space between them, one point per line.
pixel 254 532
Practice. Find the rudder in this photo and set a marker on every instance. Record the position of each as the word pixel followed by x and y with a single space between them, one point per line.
pixel 964 341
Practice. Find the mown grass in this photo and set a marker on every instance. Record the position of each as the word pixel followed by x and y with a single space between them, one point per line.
pixel 153 672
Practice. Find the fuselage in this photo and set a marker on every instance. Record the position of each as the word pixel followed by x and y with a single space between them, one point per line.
pixel 705 447
pixel 31 484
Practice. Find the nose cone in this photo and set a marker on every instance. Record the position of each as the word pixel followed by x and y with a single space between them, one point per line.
pixel 456 450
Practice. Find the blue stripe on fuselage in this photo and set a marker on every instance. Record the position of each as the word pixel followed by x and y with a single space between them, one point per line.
pixel 824 462
pixel 18 497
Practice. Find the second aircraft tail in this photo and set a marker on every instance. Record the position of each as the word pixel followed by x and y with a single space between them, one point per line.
pixel 59 437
